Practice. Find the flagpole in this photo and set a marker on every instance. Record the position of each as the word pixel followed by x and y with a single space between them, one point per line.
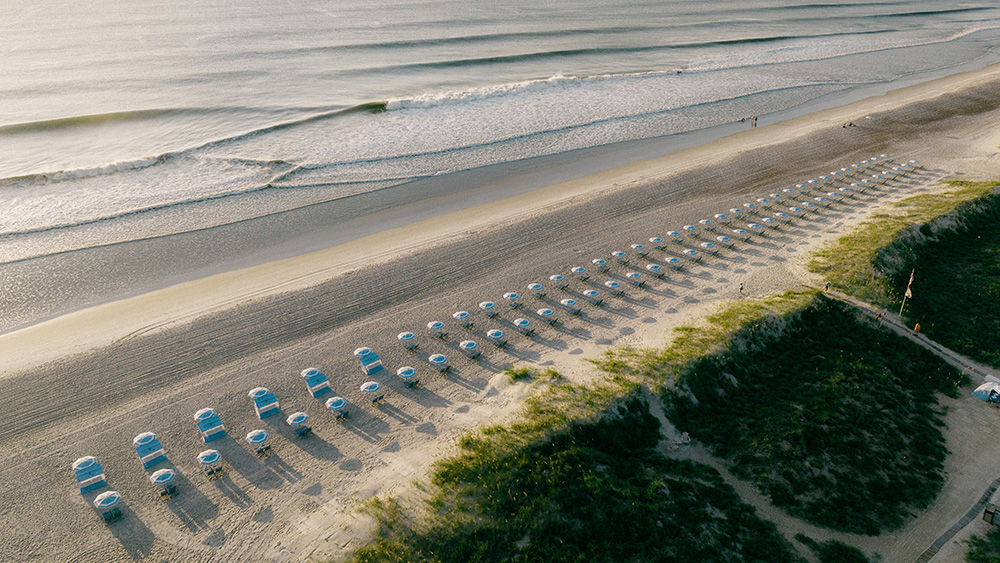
pixel 908 292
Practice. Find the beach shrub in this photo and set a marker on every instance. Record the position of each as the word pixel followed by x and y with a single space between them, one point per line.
pixel 525 373
pixel 832 418
pixel 578 479
pixel 984 549
pixel 832 551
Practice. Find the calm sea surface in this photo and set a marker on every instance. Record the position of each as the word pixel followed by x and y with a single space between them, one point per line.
pixel 124 120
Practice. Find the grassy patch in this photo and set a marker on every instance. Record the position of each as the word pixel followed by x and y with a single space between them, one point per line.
pixel 984 550
pixel 833 551
pixel 578 479
pixel 830 417
pixel 525 373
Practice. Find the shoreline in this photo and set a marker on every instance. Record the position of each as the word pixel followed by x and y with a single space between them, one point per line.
pixel 221 285
pixel 206 342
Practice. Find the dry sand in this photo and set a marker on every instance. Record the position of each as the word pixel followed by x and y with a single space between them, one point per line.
pixel 86 383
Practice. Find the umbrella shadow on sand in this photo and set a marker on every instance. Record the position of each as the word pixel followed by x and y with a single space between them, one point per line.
pixel 310 443
pixel 235 494
pixel 189 504
pixel 136 538
pixel 248 466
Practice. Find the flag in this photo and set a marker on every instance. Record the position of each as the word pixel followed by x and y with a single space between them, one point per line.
pixel 909 293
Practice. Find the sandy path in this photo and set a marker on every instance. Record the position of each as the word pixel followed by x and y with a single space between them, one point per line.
pixel 297 503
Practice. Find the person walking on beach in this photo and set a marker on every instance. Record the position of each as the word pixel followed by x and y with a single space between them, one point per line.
pixel 827 288
pixel 753 121
pixel 916 329
pixel 741 288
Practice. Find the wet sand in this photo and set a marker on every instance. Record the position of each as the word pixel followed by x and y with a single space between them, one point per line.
pixel 87 382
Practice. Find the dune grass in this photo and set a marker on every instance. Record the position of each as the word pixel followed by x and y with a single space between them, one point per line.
pixel 984 549
pixel 578 479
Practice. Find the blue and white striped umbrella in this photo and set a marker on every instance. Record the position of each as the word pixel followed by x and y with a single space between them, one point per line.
pixel 790 193
pixel 557 278
pixel 750 207
pixel 406 336
pixel 673 234
pixel 618 254
pixel 736 211
pixel 821 200
pixel 461 315
pixel 796 210
pixel 162 476
pixel 298 418
pixel 782 216
pixel 689 229
pixel 673 262
pixel 495 334
pixel 754 227
pixel 84 463
pixel 633 276
pixel 846 192
pixel 638 247
pixel 655 268
pixel 370 386
pixel 147 437
pixel 769 222
pixel 435 325
pixel 722 218
pixel 511 296
pixel 204 414
pixel 612 284
pixel 487 305
pixel 468 345
pixel 545 313
pixel 599 262
pixel 656 240
pixel 309 372
pixel 775 197
pixel 709 247
pixel 763 202
pixel 363 351
pixel 534 287
pixel 578 270
pixel 209 457
pixel 591 293
pixel 436 359
pixel 741 234
pixel 810 206
pixel 705 224
pixel 569 302
pixel 256 437
pixel 336 403
pixel 522 323
pixel 406 372
pixel 107 499
pixel 691 252
pixel 724 240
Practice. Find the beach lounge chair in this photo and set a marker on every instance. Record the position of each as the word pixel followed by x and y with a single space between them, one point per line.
pixel 440 362
pixel 471 350
pixel 524 327
pixel 209 425
pixel 163 480
pixel 497 338
pixel 316 382
pixel 408 339
pixel 265 404
pixel 298 423
pixel 572 307
pixel 370 362
pixel 149 449
pixel 338 407
pixel 258 443
pixel 407 374
pixel 211 464
pixel 89 474
pixel 464 319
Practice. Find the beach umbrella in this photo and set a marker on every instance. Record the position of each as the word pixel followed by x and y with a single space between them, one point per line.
pixel 657 242
pixel 797 210
pixel 769 222
pixel 725 241
pixel 407 339
pixel 522 323
pixel 496 336
pixel 89 474
pixel 736 212
pixel 706 224
pixel 755 227
pixel 548 315
pixel 635 278
pixel 437 329
pixel 256 437
pixel 775 197
pixel 581 273
pixel 621 257
pixel 468 345
pixel 463 318
pixel 512 297
pixel 709 247
pixel 741 234
pixel 209 424
pixel 572 305
pixel 763 202
pixel 537 288
pixel 810 206
pixel 656 270
pixel 593 296
pixel 814 184
pixel 107 499
pixel 822 201
pixel 674 263
pixel 640 250
pixel 162 477
pixel 489 308
pixel 406 372
pixel 783 217
pixel 365 351
pixel 602 264
pixel 692 255
pixel 691 230
pixel 437 359
pixel 675 236
pixel 336 403
pixel 612 284
pixel 790 193
pixel 825 180
pixel 559 281
pixel 368 387
pixel 722 218
pixel 369 360
pixel 751 208
pixel 149 449
pixel 209 457
pixel 300 418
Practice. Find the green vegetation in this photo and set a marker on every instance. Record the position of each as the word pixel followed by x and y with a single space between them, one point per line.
pixel 578 479
pixel 525 373
pixel 833 551
pixel 830 417
pixel 952 241
pixel 984 550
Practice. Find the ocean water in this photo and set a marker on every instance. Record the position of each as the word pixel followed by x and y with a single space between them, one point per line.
pixel 121 121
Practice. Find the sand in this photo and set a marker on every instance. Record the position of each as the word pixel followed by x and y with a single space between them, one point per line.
pixel 86 383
